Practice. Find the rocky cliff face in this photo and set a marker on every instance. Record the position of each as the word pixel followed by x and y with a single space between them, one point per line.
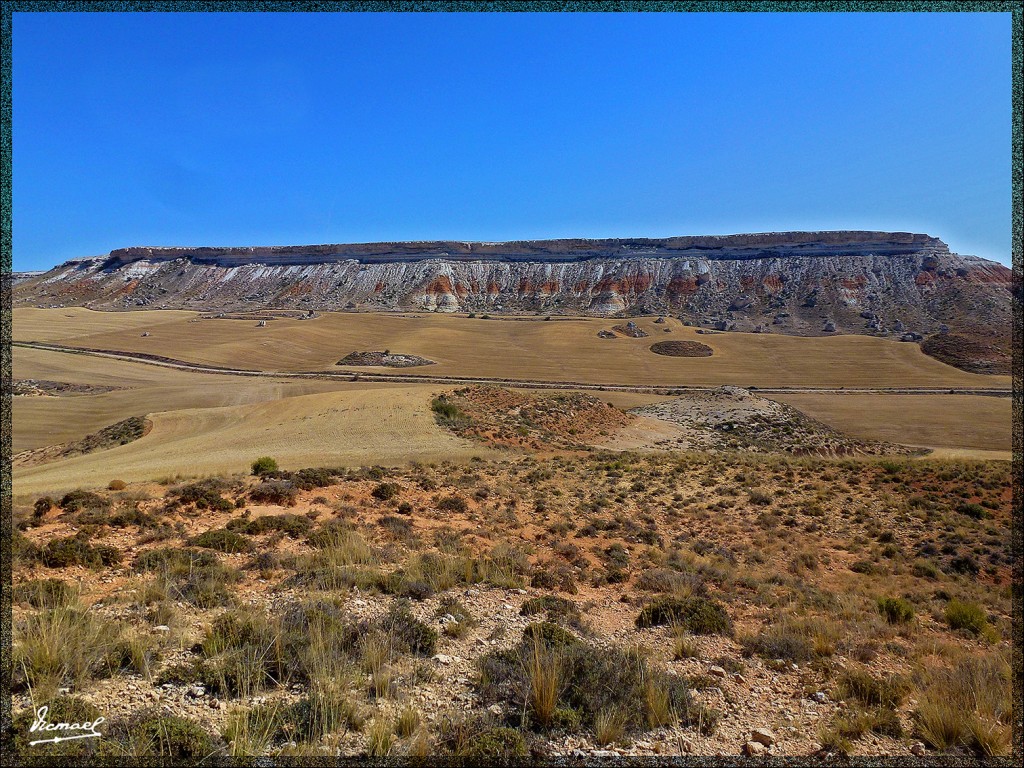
pixel 806 283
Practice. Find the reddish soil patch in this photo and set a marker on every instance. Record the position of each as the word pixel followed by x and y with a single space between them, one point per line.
pixel 535 422
pixel 682 349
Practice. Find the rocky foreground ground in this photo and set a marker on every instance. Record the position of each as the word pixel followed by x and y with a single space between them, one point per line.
pixel 588 604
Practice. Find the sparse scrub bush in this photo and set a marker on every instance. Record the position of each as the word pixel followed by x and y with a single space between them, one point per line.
pixel 858 685
pixel 65 646
pixel 447 414
pixel 453 503
pixel 189 575
pixel 966 615
pixel 407 723
pixel 792 640
pixel 75 501
pixel 967 705
pixel 553 607
pixel 153 733
pixel 281 493
pixel 292 525
pixel 803 561
pixel 379 738
pixel 223 540
pixel 895 609
pixel 696 615
pixel 561 681
pixel 683 646
pixel 386 491
pixel 43 593
pixel 205 494
pixel 22 549
pixel 74 550
pixel 322 711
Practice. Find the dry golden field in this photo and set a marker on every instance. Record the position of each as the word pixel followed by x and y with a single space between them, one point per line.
pixel 386 424
pixel 215 423
pixel 531 348
pixel 962 422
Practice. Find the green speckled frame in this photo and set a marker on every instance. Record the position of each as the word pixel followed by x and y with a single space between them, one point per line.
pixel 651 6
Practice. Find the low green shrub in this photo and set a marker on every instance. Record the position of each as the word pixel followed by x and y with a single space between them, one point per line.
pixel 696 615
pixel 223 540
pixel 895 609
pixel 965 615
pixel 74 550
pixel 264 465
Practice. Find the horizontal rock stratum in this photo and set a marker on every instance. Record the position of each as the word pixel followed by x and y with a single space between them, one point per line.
pixel 806 283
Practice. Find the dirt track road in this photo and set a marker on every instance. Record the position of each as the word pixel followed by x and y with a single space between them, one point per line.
pixel 411 378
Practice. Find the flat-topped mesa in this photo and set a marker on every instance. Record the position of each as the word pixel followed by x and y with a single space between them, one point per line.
pixel 894 284
pixel 718 247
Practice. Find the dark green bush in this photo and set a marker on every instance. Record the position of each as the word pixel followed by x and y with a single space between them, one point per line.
pixel 551 605
pixel 22 549
pixel 292 525
pixel 497 744
pixel 133 516
pixel 279 492
pixel 42 506
pixel 696 615
pixel 453 503
pixel 204 494
pixel 447 414
pixel 386 491
pixel 78 500
pixel 222 540
pixel 72 550
pixel 975 511
pixel 408 633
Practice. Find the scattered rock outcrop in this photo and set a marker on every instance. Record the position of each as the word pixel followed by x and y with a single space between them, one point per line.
pixel 630 329
pixel 385 358
pixel 735 419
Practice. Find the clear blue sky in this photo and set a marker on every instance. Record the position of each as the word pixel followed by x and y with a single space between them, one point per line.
pixel 280 128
